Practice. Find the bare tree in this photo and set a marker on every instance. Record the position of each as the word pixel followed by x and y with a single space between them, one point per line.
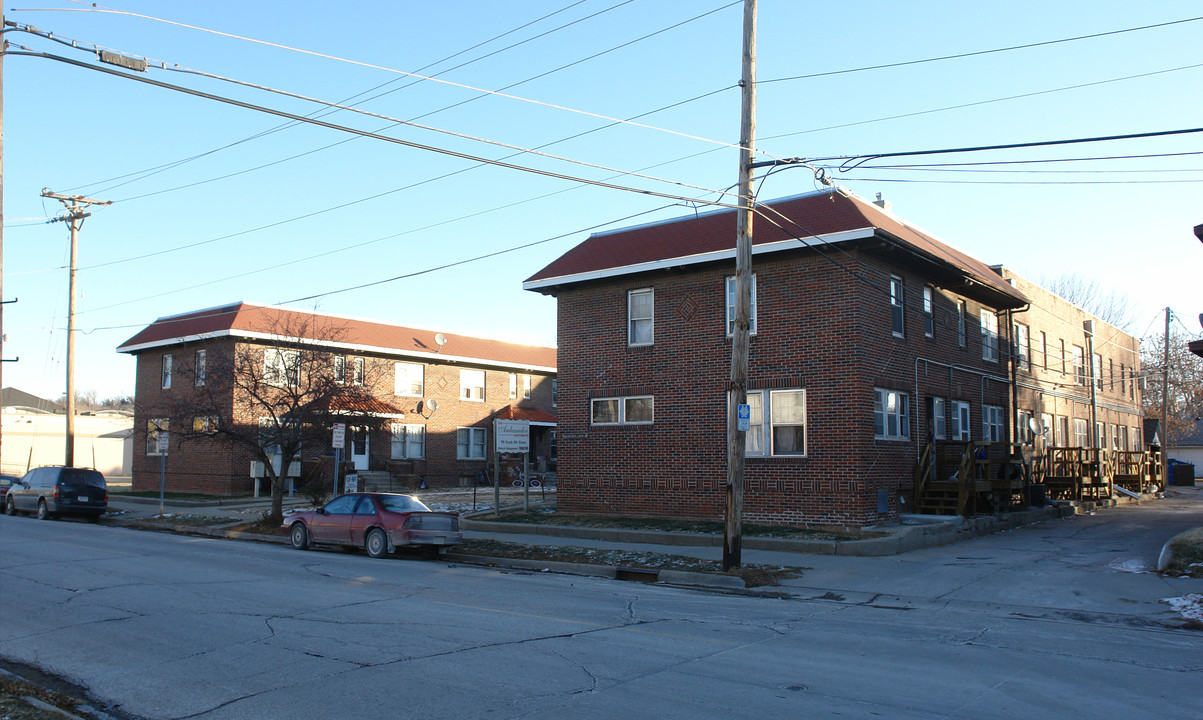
pixel 1108 305
pixel 1185 385
pixel 275 397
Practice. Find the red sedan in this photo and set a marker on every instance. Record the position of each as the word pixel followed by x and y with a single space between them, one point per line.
pixel 377 522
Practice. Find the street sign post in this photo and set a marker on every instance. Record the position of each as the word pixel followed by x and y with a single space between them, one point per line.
pixel 338 442
pixel 744 420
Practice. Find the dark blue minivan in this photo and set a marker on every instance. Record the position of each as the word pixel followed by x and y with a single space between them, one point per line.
pixel 54 491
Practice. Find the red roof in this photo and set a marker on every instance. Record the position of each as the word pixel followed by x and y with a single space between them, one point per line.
pixel 256 321
pixel 816 218
pixel 513 412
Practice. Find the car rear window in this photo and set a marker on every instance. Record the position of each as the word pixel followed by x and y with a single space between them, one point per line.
pixel 78 477
pixel 402 503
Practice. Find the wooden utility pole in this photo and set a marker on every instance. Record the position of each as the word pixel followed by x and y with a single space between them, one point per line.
pixel 737 393
pixel 75 205
pixel 1165 390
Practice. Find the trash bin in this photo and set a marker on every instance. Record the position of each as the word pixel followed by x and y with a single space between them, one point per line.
pixel 1182 474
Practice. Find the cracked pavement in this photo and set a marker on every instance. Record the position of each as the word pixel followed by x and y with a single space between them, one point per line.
pixel 1036 622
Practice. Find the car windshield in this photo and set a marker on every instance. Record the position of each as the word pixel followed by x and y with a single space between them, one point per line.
pixel 401 503
pixel 79 477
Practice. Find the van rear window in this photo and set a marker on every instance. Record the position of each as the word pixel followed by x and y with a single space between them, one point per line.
pixel 76 477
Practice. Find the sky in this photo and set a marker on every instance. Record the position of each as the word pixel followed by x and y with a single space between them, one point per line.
pixel 213 203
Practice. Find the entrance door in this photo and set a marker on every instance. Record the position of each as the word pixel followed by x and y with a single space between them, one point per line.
pixel 359 447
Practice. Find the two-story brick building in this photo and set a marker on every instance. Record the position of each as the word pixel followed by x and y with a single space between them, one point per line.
pixel 870 338
pixel 435 393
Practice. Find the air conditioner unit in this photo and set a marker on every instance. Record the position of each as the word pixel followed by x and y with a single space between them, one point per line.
pixel 258 470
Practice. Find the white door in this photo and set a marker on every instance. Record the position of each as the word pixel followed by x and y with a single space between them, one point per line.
pixel 359 447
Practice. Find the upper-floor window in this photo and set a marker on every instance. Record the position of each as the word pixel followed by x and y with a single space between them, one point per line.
pixel 961 323
pixel 993 423
pixel 472 385
pixel 896 306
pixel 631 410
pixel 1096 368
pixel 340 369
pixel 1062 356
pixel 357 371
pixel 891 415
pixel 205 424
pixel 409 379
pixel 526 387
pixel 1081 433
pixel 555 392
pixel 731 307
pixel 929 312
pixel 1043 349
pixel 198 367
pixel 1078 359
pixel 513 385
pixel 1110 374
pixel 989 335
pixel 1023 350
pixel 281 367
pixel 641 322
pixel 166 372
pixel 778 423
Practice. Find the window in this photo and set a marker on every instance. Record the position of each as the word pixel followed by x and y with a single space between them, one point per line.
pixel 989 336
pixel 1100 435
pixel 1061 436
pixel 634 410
pixel 409 441
pixel 281 367
pixel 961 323
pixel 357 371
pixel 340 369
pixel 204 424
pixel 1023 353
pixel 961 429
pixel 993 425
pixel 472 385
pixel 641 322
pixel 896 303
pixel 1081 433
pixel 939 420
pixel 1062 357
pixel 154 427
pixel 470 443
pixel 409 379
pixel 1023 427
pixel 731 306
pixel 555 392
pixel 1046 426
pixel 166 372
pixel 198 375
pixel 929 316
pixel 1077 361
pixel 1096 368
pixel 891 418
pixel 513 385
pixel 1044 350
pixel 783 426
pixel 1123 379
pixel 1110 374
pixel 526 387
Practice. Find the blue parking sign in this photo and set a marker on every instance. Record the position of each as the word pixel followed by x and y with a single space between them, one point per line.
pixel 744 416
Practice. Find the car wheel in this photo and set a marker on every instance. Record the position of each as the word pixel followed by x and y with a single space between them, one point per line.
pixel 43 511
pixel 299 536
pixel 11 506
pixel 376 543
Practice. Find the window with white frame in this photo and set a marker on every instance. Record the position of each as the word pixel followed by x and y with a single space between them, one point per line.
pixel 929 312
pixel 961 429
pixel 409 379
pixel 777 426
pixel 204 424
pixel 1043 349
pixel 641 321
pixel 555 392
pixel 408 442
pixel 198 368
pixel 989 323
pixel 1046 426
pixel 994 425
pixel 470 443
pixel 1096 368
pixel 629 410
pixel 1100 435
pixel 939 418
pixel 526 387
pixel 891 415
pixel 1062 357
pixel 897 318
pixel 166 368
pixel 357 371
pixel 154 427
pixel 1023 427
pixel 1081 433
pixel 731 307
pixel 961 323
pixel 513 385
pixel 1078 361
pixel 281 367
pixel 1023 351
pixel 1061 436
pixel 340 369
pixel 472 385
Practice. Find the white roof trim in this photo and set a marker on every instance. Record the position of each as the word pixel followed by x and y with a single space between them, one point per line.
pixel 761 249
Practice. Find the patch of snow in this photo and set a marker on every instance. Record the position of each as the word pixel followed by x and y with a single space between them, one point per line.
pixel 1132 565
pixel 1189 606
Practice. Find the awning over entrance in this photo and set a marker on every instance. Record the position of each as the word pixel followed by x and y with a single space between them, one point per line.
pixel 534 416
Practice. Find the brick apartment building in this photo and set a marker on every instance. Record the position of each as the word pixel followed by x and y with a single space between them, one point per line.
pixel 870 338
pixel 435 395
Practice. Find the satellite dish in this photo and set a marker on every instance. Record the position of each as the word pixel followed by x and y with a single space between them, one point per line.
pixel 440 339
pixel 432 405
pixel 1034 426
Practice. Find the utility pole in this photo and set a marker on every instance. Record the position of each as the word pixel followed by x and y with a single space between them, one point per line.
pixel 75 205
pixel 3 48
pixel 1165 388
pixel 1095 440
pixel 737 394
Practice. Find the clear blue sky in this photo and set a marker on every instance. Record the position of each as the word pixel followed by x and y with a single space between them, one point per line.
pixel 271 218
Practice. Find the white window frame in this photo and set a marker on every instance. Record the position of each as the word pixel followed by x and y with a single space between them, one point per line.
pixel 1077 358
pixel 897 306
pixel 761 439
pixel 989 322
pixel 891 407
pixel 205 424
pixel 472 385
pixel 408 441
pixel 623 405
pixel 406 376
pixel 513 386
pixel 281 368
pixel 526 386
pixel 939 418
pixel 994 426
pixel 729 293
pixel 199 363
pixel 477 439
pixel 1096 369
pixel 340 369
pixel 961 313
pixel 929 311
pixel 1081 432
pixel 1023 349
pixel 637 325
pixel 166 372
pixel 358 370
pixel 961 428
